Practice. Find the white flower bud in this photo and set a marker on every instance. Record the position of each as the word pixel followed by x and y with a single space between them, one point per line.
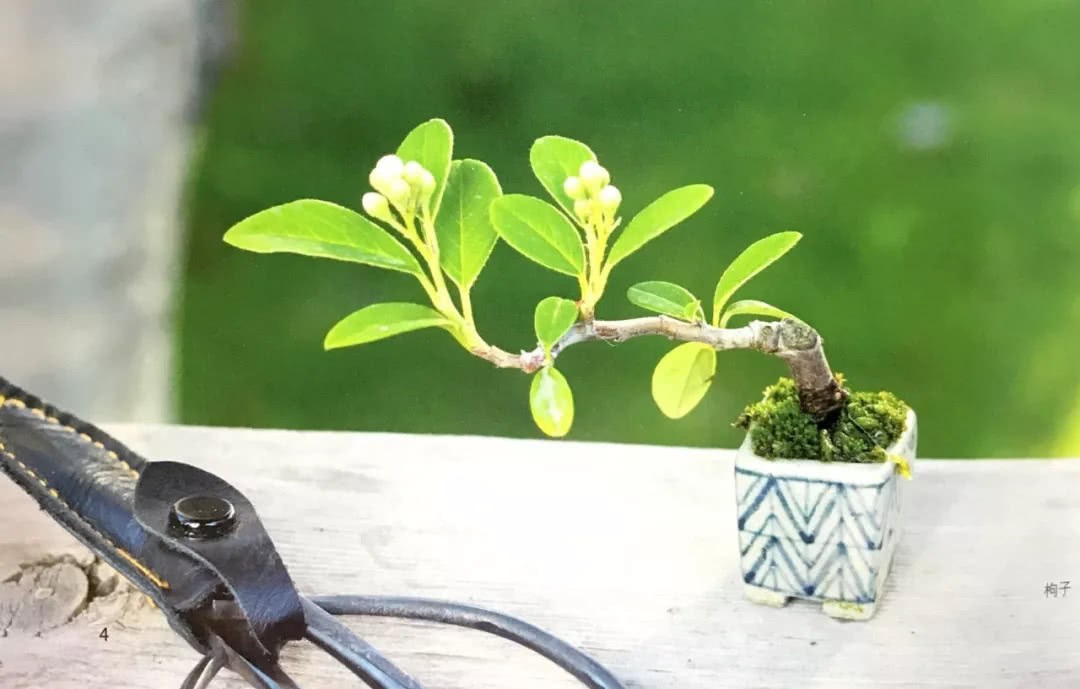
pixel 593 176
pixel 609 198
pixel 582 208
pixel 398 191
pixel 413 173
pixel 381 182
pixel 390 166
pixel 573 188
pixel 377 180
pixel 387 171
pixel 377 206
pixel 427 184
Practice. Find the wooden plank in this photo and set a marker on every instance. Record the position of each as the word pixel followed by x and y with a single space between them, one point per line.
pixel 627 551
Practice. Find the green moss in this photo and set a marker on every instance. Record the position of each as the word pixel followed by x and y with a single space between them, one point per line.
pixel 870 422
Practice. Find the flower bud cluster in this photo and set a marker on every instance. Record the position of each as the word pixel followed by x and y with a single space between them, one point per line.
pixel 405 186
pixel 595 199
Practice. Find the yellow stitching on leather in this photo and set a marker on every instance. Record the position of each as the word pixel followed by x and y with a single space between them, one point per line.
pixel 116 458
pixel 29 471
pixel 70 429
pixel 143 569
pixel 146 571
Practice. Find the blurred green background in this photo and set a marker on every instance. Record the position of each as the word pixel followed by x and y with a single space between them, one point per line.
pixel 929 152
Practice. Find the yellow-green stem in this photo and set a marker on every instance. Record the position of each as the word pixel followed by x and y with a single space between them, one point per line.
pixel 466 304
pixel 429 289
pixel 429 251
pixel 432 259
pixel 594 281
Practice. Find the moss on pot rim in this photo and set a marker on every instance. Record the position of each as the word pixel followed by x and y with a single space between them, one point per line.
pixel 779 429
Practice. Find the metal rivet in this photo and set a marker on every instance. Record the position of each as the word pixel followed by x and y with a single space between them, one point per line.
pixel 202 516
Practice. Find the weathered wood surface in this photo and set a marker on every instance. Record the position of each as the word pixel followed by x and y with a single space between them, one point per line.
pixel 627 551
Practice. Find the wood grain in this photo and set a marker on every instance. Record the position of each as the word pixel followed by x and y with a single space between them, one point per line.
pixel 626 551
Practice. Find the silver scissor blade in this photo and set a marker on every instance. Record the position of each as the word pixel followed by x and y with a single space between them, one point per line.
pixel 274 678
pixel 591 673
pixel 352 651
pixel 203 672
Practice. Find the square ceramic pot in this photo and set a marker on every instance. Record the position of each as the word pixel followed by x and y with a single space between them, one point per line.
pixel 824 531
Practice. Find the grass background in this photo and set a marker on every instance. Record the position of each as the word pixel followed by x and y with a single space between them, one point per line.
pixel 929 152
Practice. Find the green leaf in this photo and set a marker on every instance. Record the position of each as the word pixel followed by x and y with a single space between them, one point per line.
pixel 903 467
pixel 754 259
pixel 324 230
pixel 553 317
pixel 683 377
pixel 431 144
pixel 551 402
pixel 540 232
pixel 658 217
pixel 665 298
pixel 463 226
pixel 553 159
pixel 380 321
pixel 751 307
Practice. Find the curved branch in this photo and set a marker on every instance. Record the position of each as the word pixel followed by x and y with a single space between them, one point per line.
pixel 799 345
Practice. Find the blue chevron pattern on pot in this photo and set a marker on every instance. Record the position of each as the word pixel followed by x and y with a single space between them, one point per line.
pixel 824 531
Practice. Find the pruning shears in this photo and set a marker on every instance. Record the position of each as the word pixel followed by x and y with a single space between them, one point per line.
pixel 194 544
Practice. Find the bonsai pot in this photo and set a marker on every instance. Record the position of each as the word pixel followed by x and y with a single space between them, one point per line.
pixel 823 531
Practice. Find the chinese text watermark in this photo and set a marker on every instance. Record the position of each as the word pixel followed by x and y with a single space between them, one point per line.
pixel 1056 589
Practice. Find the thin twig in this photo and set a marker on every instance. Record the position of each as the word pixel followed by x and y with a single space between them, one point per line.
pixel 796 343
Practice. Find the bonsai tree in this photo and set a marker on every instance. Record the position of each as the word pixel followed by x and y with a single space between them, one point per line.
pixel 438 219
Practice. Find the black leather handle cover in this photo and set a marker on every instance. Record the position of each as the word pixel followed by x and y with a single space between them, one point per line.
pixel 86 481
pixel 245 559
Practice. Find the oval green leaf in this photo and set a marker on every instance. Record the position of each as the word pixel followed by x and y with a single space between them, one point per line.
pixel 463 226
pixel 553 159
pixel 666 298
pixel 551 402
pixel 682 378
pixel 658 217
pixel 432 145
pixel 539 232
pixel 379 321
pixel 752 307
pixel 552 318
pixel 754 259
pixel 322 229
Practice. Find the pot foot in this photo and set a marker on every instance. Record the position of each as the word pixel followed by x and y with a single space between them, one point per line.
pixel 756 594
pixel 846 610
